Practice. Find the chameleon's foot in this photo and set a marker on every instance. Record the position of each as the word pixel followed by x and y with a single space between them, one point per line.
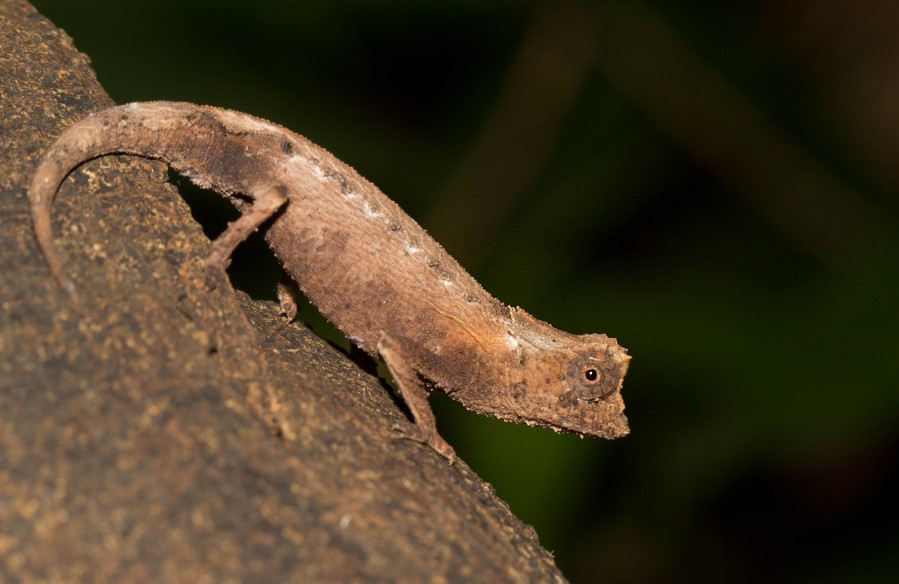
pixel 438 444
pixel 287 298
pixel 215 276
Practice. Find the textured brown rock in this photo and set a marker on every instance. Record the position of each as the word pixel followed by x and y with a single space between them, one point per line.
pixel 157 431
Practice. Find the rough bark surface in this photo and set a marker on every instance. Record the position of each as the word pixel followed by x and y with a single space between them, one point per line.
pixel 156 431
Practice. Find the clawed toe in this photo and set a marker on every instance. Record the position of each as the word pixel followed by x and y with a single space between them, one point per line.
pixel 438 444
pixel 215 277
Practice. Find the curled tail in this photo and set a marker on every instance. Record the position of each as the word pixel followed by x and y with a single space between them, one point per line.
pixel 118 130
pixel 74 147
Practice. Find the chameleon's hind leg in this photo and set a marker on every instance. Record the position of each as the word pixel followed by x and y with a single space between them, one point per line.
pixel 266 202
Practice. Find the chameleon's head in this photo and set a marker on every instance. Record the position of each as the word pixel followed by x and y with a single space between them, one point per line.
pixel 566 382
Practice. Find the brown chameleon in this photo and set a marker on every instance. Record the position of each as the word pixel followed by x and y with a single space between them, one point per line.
pixel 368 267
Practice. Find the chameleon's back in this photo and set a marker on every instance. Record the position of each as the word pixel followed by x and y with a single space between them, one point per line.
pixel 367 265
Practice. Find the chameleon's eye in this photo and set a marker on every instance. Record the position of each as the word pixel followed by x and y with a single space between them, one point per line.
pixel 591 378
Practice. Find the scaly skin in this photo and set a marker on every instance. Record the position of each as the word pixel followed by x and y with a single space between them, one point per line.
pixel 368 267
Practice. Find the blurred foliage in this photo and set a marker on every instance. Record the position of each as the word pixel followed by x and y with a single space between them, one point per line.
pixel 711 183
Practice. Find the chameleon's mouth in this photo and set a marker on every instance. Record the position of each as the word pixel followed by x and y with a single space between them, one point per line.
pixel 602 418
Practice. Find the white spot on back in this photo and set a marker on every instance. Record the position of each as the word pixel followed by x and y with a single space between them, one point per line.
pixel 369 211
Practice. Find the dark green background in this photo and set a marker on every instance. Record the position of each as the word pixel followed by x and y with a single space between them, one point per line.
pixel 711 183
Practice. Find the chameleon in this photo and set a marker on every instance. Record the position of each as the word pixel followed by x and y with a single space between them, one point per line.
pixel 368 267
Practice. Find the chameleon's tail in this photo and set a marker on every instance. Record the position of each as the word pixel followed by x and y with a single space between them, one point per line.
pixel 178 133
pixel 50 173
pixel 96 135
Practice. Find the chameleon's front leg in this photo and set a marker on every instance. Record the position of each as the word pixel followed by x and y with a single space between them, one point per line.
pixel 415 396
